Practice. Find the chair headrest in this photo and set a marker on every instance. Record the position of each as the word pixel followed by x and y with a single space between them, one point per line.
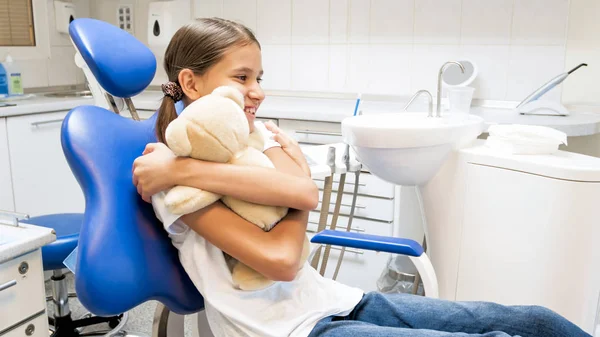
pixel 122 65
pixel 124 257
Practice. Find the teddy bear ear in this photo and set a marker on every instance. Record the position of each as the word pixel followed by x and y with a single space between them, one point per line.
pixel 231 93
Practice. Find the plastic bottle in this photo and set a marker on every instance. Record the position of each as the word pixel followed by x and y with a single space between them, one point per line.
pixel 13 76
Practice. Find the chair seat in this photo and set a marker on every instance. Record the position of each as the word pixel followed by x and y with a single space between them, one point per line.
pixel 66 226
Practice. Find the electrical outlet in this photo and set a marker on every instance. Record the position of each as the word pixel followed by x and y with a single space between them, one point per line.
pixel 125 17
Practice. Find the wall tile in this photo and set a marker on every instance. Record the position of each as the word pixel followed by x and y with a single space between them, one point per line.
pixel 358 21
pixel 243 11
pixel 486 22
pixel 310 67
pixel 532 66
pixel 207 8
pixel 437 21
pixel 358 68
pixel 492 63
pixel 338 63
pixel 34 73
pixel 392 21
pixel 277 66
pixel 389 73
pixel 61 66
pixel 540 22
pixel 274 22
pixel 338 21
pixel 582 86
pixel 426 63
pixel 310 22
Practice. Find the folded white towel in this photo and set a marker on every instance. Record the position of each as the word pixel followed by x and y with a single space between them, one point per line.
pixel 525 139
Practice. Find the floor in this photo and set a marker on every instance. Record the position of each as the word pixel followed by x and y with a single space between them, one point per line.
pixel 140 318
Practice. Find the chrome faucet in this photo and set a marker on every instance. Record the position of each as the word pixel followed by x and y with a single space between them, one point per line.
pixel 429 105
pixel 439 85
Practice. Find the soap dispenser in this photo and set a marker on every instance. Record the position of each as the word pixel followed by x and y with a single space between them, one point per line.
pixel 13 77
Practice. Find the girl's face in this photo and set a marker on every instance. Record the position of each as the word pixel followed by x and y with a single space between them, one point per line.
pixel 241 67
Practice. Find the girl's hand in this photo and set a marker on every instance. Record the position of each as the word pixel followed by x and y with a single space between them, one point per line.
pixel 153 170
pixel 290 146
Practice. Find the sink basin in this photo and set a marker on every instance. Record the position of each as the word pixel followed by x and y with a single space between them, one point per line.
pixel 408 148
pixel 84 93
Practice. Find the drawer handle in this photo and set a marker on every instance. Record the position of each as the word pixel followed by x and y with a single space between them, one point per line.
pixel 51 121
pixel 8 285
pixel 320 133
pixel 357 229
pixel 357 206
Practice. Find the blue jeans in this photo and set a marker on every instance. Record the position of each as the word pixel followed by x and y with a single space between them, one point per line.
pixel 403 315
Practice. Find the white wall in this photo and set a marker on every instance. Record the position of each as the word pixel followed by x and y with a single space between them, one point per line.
pixel 398 46
pixel 583 46
pixel 59 68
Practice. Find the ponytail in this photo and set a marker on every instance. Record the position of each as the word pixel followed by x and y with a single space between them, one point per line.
pixel 166 114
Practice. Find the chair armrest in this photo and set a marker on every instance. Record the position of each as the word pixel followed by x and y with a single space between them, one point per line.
pixel 369 242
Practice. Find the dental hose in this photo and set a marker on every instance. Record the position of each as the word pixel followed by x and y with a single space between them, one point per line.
pixel 352 207
pixel 325 204
pixel 336 213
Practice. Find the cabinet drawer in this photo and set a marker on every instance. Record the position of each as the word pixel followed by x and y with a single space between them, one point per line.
pixel 366 207
pixel 23 293
pixel 359 268
pixel 368 185
pixel 37 327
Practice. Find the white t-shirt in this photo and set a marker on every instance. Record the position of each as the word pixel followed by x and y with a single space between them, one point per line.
pixel 283 309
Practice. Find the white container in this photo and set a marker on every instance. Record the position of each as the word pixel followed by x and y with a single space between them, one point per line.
pixel 13 75
pixel 164 19
pixel 459 99
pixel 517 230
pixel 64 13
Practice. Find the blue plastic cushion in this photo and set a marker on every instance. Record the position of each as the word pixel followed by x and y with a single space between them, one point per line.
pixel 66 226
pixel 124 256
pixel 369 242
pixel 122 64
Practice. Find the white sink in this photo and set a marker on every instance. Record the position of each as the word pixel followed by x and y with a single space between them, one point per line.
pixel 408 148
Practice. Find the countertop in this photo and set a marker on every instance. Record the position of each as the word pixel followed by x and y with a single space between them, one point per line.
pixel 580 122
pixel 16 241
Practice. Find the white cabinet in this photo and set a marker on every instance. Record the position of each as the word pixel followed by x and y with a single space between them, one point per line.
pixel 22 294
pixel 42 180
pixel 6 189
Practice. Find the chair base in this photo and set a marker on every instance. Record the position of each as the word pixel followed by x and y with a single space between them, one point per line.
pixel 63 325
pixel 67 327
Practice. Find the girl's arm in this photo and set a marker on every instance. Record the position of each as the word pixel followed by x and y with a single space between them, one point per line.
pixel 159 169
pixel 275 254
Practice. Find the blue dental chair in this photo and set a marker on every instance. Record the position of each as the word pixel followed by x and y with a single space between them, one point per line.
pixel 124 257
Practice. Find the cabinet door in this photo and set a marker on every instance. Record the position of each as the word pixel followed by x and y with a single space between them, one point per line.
pixel 42 180
pixel 6 190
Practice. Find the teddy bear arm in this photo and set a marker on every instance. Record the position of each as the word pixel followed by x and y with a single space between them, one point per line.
pixel 185 199
pixel 246 278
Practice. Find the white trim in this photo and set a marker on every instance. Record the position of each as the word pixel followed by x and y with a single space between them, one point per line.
pixel 425 269
pixel 42 37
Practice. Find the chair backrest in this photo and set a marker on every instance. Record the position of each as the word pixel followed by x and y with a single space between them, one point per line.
pixel 124 256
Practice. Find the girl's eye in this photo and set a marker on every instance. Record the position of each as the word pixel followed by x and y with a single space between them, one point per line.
pixel 259 80
pixel 242 77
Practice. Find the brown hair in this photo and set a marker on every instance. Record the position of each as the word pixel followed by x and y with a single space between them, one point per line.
pixel 198 46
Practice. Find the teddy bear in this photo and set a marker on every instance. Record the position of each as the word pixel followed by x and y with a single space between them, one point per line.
pixel 215 128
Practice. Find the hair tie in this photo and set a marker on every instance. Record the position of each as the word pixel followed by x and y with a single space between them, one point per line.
pixel 173 90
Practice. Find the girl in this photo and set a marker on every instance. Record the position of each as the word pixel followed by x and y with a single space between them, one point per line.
pixel 214 52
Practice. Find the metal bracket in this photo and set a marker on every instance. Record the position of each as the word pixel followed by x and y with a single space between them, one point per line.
pixel 13 218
